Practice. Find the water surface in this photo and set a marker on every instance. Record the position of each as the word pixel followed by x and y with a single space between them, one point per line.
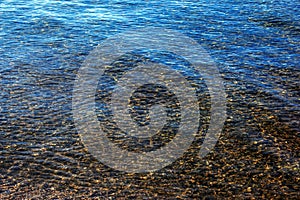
pixel 255 45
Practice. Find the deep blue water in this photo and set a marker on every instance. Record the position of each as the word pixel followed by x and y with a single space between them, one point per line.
pixel 255 44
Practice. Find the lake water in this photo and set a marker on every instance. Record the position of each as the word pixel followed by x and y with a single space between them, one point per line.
pixel 255 45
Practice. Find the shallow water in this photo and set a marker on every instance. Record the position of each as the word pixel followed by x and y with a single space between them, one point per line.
pixel 255 45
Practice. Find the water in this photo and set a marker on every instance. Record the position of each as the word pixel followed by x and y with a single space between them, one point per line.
pixel 255 45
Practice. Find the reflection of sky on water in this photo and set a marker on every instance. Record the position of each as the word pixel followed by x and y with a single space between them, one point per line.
pixel 43 43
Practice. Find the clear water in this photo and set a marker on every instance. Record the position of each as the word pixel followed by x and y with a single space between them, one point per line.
pixel 255 43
